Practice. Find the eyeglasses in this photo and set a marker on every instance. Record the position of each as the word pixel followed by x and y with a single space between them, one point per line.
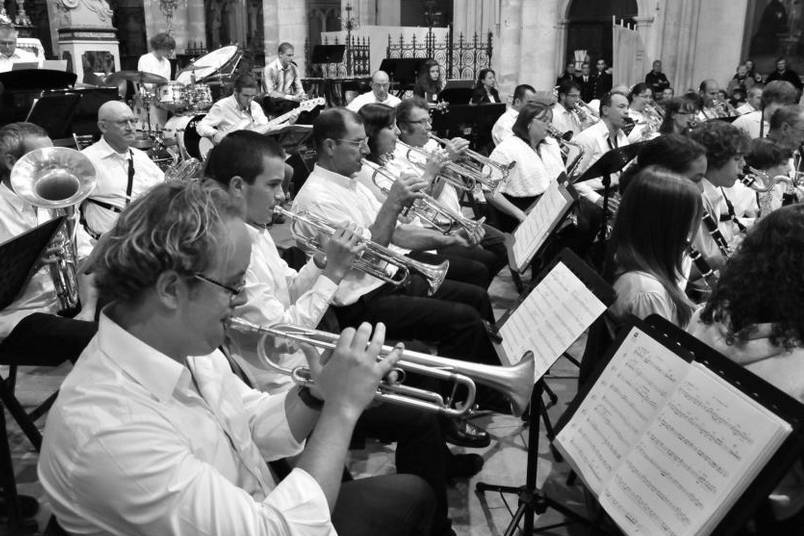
pixel 234 292
pixel 357 143
pixel 423 121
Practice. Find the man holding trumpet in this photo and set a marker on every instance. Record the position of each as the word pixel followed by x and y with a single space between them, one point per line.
pixel 152 433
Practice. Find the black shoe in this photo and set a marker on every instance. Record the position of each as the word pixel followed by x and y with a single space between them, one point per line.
pixel 29 507
pixel 463 433
pixel 464 465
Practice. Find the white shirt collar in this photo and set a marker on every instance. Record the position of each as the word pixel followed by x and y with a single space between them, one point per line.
pixel 107 150
pixel 337 178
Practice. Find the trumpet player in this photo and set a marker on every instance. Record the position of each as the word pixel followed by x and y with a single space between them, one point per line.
pixel 523 94
pixel 568 115
pixel 192 460
pixel 646 117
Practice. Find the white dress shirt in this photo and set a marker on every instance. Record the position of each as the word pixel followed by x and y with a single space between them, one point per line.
pixel 504 125
pixel 227 115
pixel 564 120
pixel 534 171
pixel 20 56
pixel 282 80
pixel 712 198
pixel 750 124
pixel 369 98
pixel 276 293
pixel 39 295
pixel 112 172
pixel 138 443
pixel 745 108
pixel 596 142
pixel 149 63
pixel 342 200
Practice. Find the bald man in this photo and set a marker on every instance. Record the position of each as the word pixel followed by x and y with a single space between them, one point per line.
pixel 380 83
pixel 124 172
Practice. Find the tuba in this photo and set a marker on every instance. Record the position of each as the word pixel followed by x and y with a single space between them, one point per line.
pixel 58 179
pixel 186 167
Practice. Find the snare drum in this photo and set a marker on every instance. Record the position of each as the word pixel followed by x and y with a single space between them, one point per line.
pixel 182 129
pixel 171 96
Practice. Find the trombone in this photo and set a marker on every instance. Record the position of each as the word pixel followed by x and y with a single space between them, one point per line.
pixel 427 208
pixel 515 382
pixel 374 260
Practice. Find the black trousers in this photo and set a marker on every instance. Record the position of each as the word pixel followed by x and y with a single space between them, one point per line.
pixel 391 505
pixel 42 339
pixel 503 221
pixel 490 252
pixel 461 268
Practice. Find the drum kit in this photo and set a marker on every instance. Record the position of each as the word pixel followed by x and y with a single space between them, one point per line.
pixel 187 99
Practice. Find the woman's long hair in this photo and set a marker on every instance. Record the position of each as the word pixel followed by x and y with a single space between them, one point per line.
pixel 481 75
pixel 763 282
pixel 672 152
pixel 425 84
pixel 654 223
pixel 376 117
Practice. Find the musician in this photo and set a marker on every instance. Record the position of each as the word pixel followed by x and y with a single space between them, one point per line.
pixel 380 83
pixel 428 83
pixel 680 114
pixel 648 266
pixel 281 82
pixel 754 318
pixel 250 166
pixel 753 101
pixel 656 79
pixel 598 139
pixel 463 249
pixel 238 111
pixel 566 114
pixel 124 172
pixel 787 131
pixel 674 152
pixel 713 106
pixel 772 159
pixel 538 158
pixel 10 53
pixel 646 120
pixel 774 95
pixel 585 81
pixel 193 459
pixel 157 60
pixel 453 316
pixel 523 94
pixel 485 90
pixel 602 80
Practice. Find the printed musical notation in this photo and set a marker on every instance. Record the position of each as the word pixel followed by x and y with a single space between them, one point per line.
pixel 531 233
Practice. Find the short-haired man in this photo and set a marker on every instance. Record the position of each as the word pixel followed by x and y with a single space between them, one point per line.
pixel 281 81
pixel 714 107
pixel 152 433
pixel 380 84
pixel 774 95
pixel 124 172
pixel 656 79
pixel 598 139
pixel 602 80
pixel 782 72
pixel 10 53
pixel 585 80
pixel 523 94
pixel 566 111
pixel 568 74
pixel 238 111
pixel 753 101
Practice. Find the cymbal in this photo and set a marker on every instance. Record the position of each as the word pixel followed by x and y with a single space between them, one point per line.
pixel 135 76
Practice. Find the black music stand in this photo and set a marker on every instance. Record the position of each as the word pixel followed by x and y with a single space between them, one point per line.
pixel 328 54
pixel 531 500
pixel 611 162
pixel 55 112
pixel 469 120
pixel 403 71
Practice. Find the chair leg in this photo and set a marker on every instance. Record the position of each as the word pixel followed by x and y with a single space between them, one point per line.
pixel 23 419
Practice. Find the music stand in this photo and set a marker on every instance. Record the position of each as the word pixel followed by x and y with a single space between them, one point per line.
pixel 328 54
pixel 55 112
pixel 608 164
pixel 468 120
pixel 531 500
pixel 403 71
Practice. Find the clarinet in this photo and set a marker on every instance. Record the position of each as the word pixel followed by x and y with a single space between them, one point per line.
pixel 707 273
pixel 712 227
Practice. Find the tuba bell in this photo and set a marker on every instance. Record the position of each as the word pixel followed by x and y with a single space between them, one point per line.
pixel 58 179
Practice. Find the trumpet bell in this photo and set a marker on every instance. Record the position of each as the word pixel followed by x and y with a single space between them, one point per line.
pixel 53 177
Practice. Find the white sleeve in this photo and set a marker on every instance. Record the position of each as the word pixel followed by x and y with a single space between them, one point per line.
pixel 207 127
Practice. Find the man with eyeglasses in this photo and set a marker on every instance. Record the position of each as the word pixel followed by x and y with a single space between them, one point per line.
pixel 566 116
pixel 10 53
pixel 152 433
pixel 380 84
pixel 124 172
pixel 238 111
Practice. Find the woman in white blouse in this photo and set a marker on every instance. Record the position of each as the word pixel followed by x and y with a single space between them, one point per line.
pixel 657 218
pixel 538 162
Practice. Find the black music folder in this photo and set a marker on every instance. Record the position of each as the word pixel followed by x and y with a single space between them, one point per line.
pixel 567 299
pixel 18 257
pixel 611 162
pixel 674 438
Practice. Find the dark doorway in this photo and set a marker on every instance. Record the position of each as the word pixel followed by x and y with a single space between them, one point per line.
pixel 590 23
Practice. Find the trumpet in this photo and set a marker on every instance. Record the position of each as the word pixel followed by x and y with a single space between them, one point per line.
pixel 374 259
pixel 427 208
pixel 515 382
pixel 566 146
pixel 759 181
pixel 477 175
pixel 59 179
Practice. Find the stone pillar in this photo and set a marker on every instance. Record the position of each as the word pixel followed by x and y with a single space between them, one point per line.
pixel 285 20
pixel 539 46
pixel 507 47
pixel 86 39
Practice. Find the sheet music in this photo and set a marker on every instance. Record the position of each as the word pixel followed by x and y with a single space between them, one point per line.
pixel 531 233
pixel 549 319
pixel 625 399
pixel 685 472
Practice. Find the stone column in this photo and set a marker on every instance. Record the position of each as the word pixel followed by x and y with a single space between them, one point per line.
pixel 285 20
pixel 86 39
pixel 540 45
pixel 508 46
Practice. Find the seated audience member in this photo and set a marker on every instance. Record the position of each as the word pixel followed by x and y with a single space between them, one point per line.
pixel 667 94
pixel 783 73
pixel 380 84
pixel 740 80
pixel 672 152
pixel 752 72
pixel 775 95
pixel 753 101
pixel 656 79
pixel 523 94
pixel 754 317
pixel 485 90
pixel 538 163
pixel 428 83
pixel 656 221
pixel 680 114
pixel 193 460
pixel 29 327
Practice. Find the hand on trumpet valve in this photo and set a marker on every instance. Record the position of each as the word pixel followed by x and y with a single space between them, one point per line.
pixel 347 381
pixel 456 148
pixel 472 238
pixel 406 189
pixel 435 163
pixel 341 249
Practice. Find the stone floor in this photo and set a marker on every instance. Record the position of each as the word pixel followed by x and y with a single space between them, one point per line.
pixel 472 514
